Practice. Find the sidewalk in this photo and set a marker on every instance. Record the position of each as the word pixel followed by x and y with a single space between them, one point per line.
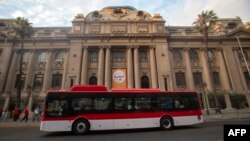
pixel 233 114
pixel 11 123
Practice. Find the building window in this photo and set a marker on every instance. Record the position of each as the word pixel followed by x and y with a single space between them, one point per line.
pixel 193 55
pixel 211 55
pixel 38 82
pixel 42 57
pixel 20 81
pixel 240 55
pixel 143 55
pixel 25 57
pixel 118 56
pixel 197 76
pixel 216 79
pixel 247 78
pixel 177 55
pixel 93 56
pixel 180 79
pixel 59 57
pixel 93 80
pixel 118 59
pixel 56 81
pixel 144 82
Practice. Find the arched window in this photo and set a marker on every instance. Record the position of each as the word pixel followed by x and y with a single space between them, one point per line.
pixel 193 55
pixel 59 57
pixel 177 55
pixel 42 57
pixel 144 82
pixel 241 55
pixel 93 80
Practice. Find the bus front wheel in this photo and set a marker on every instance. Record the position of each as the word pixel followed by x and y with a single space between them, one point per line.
pixel 166 123
pixel 81 127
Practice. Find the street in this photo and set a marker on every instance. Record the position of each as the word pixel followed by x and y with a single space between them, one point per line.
pixel 208 131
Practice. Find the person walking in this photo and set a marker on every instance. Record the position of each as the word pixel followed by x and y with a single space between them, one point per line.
pixel 36 114
pixel 4 114
pixel 15 114
pixel 26 115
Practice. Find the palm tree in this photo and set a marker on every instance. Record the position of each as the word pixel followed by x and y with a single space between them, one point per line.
pixel 22 29
pixel 205 23
pixel 247 27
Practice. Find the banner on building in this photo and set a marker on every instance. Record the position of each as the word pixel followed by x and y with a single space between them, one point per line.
pixel 119 78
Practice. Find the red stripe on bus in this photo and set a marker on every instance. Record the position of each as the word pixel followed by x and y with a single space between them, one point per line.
pixel 106 116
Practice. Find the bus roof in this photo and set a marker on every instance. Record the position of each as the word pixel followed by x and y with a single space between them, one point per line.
pixel 88 88
pixel 101 88
pixel 134 90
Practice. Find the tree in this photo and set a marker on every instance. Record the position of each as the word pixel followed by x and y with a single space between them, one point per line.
pixel 22 29
pixel 205 23
pixel 246 27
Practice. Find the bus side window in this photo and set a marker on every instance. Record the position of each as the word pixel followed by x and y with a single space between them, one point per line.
pixel 165 103
pixel 123 103
pixel 102 104
pixel 177 104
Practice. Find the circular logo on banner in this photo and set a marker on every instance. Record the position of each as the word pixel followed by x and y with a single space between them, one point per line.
pixel 118 76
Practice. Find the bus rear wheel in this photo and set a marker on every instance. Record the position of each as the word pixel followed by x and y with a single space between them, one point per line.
pixel 166 123
pixel 81 127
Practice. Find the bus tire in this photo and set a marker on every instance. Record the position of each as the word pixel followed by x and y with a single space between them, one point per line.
pixel 166 123
pixel 81 127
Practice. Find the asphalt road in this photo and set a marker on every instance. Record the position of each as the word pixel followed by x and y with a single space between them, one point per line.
pixel 208 131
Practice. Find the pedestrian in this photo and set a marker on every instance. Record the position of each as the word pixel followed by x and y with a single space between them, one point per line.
pixel 15 114
pixel 4 114
pixel 1 111
pixel 36 114
pixel 40 112
pixel 26 114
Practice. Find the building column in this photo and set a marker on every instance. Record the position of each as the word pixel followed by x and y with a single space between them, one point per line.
pixel 100 66
pixel 6 55
pixel 136 68
pixel 47 75
pixel 189 74
pixel 65 67
pixel 153 67
pixel 224 77
pixel 130 67
pixel 29 76
pixel 242 77
pixel 84 65
pixel 205 67
pixel 108 68
pixel 10 79
pixel 12 74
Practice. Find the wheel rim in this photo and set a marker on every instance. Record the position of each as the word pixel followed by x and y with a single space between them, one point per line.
pixel 81 127
pixel 166 123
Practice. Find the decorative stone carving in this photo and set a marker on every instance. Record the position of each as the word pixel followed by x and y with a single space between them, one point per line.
pixel 96 15
pixel 119 13
pixel 157 16
pixel 94 29
pixel 141 15
pixel 142 28
pixel 118 29
pixel 160 27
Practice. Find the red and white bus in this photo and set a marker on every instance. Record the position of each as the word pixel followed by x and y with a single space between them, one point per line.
pixel 90 107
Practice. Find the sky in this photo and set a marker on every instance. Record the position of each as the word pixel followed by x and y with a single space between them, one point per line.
pixel 51 13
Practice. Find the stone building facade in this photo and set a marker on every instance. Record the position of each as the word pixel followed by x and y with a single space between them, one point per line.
pixel 127 48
